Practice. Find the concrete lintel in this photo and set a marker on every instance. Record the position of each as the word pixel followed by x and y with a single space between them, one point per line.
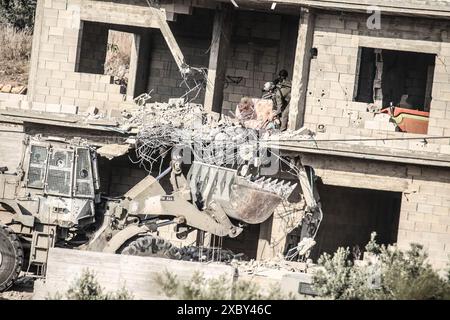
pixel 116 13
pixel 400 44
pixel 366 152
pixel 406 7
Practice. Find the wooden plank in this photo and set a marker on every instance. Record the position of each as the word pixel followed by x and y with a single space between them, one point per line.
pixel 220 45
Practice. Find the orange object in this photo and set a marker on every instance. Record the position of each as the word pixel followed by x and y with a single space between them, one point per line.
pixel 411 121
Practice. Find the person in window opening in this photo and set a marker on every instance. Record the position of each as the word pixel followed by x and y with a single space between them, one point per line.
pixel 280 92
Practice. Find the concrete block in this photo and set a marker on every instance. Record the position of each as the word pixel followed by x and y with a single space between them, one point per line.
pixel 52 65
pixel 100 96
pixel 69 109
pixel 372 125
pixel 71 93
pixel 15 104
pixel 69 84
pixel 115 272
pixel 25 105
pixel 86 94
pixel 441 211
pixel 53 108
pixel 38 106
pixel 297 283
pixel 82 103
pixel 116 97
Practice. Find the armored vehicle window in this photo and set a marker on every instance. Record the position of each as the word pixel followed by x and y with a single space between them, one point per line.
pixel 59 176
pixel 83 174
pixel 36 170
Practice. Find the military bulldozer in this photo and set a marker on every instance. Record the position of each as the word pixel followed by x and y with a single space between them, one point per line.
pixel 54 200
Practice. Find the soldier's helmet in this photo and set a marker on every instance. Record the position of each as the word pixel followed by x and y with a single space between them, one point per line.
pixel 283 74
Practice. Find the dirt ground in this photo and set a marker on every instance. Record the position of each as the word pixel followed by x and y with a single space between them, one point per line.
pixel 22 290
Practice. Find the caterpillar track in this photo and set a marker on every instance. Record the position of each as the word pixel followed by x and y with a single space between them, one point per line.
pixel 155 246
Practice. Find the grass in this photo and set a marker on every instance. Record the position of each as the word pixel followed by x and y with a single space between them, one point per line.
pixel 15 53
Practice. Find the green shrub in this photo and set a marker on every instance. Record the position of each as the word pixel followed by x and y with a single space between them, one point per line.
pixel 18 13
pixel 87 288
pixel 389 274
pixel 200 288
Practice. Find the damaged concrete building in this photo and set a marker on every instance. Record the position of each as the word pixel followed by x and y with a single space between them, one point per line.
pixel 380 169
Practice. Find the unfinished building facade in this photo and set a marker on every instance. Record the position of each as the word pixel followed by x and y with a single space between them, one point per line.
pixel 347 72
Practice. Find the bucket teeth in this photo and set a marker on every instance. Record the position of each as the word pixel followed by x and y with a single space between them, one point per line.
pixel 267 182
pixel 280 187
pixel 260 180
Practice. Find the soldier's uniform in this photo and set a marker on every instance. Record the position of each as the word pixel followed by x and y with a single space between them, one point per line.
pixel 281 99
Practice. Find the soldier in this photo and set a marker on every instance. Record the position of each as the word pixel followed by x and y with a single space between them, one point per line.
pixel 281 99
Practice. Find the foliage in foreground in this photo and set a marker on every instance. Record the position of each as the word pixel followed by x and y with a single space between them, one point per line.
pixel 200 288
pixel 87 288
pixel 390 274
pixel 18 13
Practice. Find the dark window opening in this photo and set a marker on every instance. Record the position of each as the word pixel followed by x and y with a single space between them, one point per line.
pixel 246 242
pixel 351 215
pixel 398 78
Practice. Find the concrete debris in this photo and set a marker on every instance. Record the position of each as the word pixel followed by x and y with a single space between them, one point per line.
pixel 265 267
pixel 164 127
pixel 304 247
pixel 112 151
pixel 92 111
pixel 8 88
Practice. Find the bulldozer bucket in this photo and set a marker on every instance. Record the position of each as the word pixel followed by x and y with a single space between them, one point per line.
pixel 251 205
pixel 246 199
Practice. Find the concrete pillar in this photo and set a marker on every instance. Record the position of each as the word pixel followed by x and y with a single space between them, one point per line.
pixel 265 237
pixel 34 61
pixel 139 65
pixel 220 45
pixel 302 63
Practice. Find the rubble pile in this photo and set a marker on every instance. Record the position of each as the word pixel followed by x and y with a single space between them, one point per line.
pixel 162 127
pixel 261 267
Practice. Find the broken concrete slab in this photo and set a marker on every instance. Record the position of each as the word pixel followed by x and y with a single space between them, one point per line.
pixel 115 272
pixel 112 151
pixel 298 283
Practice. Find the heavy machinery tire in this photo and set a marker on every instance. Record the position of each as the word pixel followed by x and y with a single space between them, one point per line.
pixel 152 246
pixel 11 258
